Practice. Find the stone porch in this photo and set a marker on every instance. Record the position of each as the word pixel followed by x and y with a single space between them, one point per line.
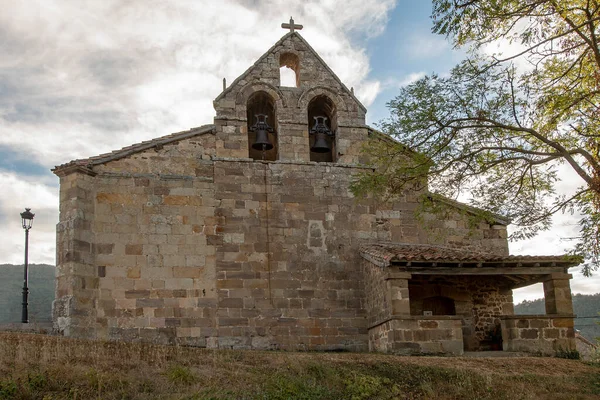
pixel 430 300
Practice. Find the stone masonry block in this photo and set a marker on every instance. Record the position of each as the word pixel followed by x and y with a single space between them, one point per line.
pixel 529 333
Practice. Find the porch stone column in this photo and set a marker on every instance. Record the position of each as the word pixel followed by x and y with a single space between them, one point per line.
pixel 397 292
pixel 557 293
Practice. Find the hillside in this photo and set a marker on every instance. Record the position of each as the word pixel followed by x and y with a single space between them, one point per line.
pixel 41 292
pixel 46 367
pixel 583 306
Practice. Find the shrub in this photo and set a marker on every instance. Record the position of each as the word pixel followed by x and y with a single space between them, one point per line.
pixel 568 354
pixel 8 389
pixel 180 375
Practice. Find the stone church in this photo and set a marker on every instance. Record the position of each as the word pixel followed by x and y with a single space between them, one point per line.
pixel 243 234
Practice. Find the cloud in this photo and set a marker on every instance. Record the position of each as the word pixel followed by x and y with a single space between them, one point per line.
pixel 533 292
pixel 126 71
pixel 18 192
pixel 368 91
pixel 395 83
pixel 411 78
pixel 557 241
pixel 82 78
pixel 579 284
pixel 421 46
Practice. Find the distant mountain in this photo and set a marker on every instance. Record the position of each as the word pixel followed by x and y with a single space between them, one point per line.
pixel 41 292
pixel 584 305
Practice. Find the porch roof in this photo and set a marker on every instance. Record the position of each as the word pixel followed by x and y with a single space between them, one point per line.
pixel 441 258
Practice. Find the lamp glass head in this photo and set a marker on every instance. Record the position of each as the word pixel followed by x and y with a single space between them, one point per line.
pixel 27 218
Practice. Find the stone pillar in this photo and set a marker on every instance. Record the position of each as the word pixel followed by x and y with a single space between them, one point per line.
pixel 397 292
pixel 74 312
pixel 508 306
pixel 557 293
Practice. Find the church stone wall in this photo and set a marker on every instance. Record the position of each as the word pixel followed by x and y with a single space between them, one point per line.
pixel 194 242
pixel 222 252
pixel 74 310
pixel 543 334
pixel 418 335
pixel 377 293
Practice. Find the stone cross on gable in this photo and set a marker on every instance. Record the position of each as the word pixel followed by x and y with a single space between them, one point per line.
pixel 291 26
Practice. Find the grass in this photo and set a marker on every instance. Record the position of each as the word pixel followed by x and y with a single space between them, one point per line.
pixel 47 368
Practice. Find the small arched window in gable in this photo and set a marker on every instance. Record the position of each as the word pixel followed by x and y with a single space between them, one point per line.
pixel 289 70
pixel 322 126
pixel 262 127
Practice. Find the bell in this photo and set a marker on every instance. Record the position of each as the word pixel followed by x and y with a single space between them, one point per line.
pixel 320 145
pixel 262 141
pixel 320 131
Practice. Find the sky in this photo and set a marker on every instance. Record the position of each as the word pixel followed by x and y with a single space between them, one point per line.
pixel 81 78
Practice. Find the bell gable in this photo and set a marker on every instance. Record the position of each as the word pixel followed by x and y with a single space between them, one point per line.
pixel 293 113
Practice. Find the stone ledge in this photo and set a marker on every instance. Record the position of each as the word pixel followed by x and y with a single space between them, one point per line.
pixel 293 162
pixel 171 177
pixel 416 318
pixel 538 316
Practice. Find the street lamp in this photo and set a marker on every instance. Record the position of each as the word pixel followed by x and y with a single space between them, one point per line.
pixel 27 219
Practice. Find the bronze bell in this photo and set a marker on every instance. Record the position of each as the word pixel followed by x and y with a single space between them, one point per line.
pixel 261 142
pixel 321 131
pixel 320 145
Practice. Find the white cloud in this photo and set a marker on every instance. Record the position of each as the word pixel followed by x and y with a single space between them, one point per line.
pixel 82 78
pixel 368 91
pixel 411 78
pixel 532 292
pixel 556 242
pixel 509 46
pixel 396 83
pixel 422 46
pixel 503 48
pixel 17 193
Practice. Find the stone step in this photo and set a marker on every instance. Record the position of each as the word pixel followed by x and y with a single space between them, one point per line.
pixel 482 354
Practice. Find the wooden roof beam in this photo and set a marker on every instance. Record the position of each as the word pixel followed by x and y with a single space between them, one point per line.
pixel 428 270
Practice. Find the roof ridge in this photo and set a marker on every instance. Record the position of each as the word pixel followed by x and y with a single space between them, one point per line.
pixel 271 49
pixel 427 246
pixel 467 207
pixel 247 71
pixel 331 72
pixel 136 148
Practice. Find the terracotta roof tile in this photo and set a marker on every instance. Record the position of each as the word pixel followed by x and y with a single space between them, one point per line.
pixel 384 254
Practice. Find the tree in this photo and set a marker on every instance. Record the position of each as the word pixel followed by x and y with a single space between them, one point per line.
pixel 500 125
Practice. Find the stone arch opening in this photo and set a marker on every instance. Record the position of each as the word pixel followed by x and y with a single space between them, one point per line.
pixel 260 104
pixel 323 106
pixel 289 70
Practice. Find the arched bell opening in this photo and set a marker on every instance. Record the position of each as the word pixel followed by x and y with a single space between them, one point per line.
pixel 262 127
pixel 322 127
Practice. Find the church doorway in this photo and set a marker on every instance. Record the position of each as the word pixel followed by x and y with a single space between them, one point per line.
pixel 439 305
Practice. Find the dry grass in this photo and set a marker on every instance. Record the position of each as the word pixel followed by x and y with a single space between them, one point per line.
pixel 47 367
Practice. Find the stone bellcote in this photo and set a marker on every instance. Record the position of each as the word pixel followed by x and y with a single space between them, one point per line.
pixel 290 109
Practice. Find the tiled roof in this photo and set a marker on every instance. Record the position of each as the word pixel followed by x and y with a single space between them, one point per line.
pixel 384 254
pixel 135 148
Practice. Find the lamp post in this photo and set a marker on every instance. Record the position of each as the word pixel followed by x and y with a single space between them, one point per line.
pixel 27 219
